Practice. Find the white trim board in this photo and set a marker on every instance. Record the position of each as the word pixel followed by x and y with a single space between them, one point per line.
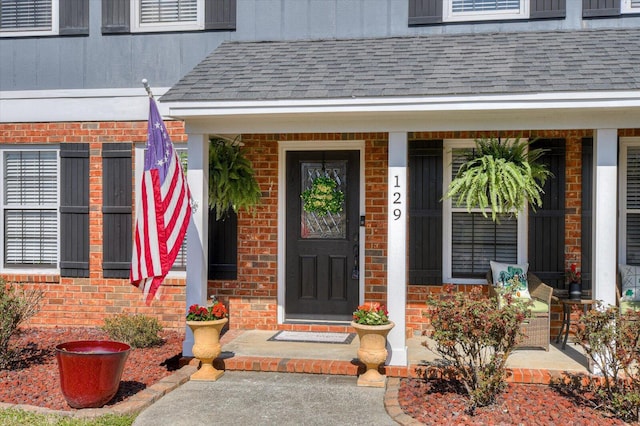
pixel 28 106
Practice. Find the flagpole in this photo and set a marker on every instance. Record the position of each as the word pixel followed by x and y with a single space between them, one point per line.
pixel 145 83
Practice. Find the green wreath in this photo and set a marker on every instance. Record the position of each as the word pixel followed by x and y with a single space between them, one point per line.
pixel 323 197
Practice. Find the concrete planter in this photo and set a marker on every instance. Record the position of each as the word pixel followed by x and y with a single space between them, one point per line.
pixel 372 352
pixel 206 347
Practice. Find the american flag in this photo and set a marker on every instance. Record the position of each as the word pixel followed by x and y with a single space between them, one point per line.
pixel 163 209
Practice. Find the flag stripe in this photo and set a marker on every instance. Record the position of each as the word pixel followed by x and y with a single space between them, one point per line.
pixel 163 211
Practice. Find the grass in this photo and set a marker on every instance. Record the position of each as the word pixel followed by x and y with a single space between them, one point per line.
pixel 13 417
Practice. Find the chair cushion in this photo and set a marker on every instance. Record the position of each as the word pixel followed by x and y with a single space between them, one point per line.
pixel 626 306
pixel 539 307
pixel 630 279
pixel 512 277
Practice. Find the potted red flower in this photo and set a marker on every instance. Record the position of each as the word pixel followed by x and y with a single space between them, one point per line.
pixel 371 322
pixel 574 278
pixel 207 322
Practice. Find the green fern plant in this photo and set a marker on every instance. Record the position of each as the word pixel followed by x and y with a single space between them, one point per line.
pixel 232 184
pixel 501 176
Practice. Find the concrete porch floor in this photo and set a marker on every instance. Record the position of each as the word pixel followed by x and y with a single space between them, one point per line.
pixel 250 350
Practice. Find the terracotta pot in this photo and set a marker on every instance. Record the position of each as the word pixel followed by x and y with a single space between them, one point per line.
pixel 90 371
pixel 206 347
pixel 372 352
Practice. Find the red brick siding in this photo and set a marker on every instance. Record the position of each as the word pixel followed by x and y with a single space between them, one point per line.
pixel 87 301
pixel 252 298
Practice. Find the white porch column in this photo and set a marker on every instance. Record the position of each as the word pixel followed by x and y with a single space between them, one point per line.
pixel 397 246
pixel 198 179
pixel 605 218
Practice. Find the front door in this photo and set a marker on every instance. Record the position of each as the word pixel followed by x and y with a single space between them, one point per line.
pixel 322 267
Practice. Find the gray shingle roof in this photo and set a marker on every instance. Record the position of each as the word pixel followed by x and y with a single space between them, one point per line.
pixel 434 65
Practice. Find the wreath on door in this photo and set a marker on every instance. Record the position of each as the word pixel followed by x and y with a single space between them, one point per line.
pixel 323 197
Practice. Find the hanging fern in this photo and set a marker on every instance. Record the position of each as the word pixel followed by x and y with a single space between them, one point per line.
pixel 232 184
pixel 500 176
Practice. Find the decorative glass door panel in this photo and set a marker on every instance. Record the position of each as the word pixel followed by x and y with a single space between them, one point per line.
pixel 330 225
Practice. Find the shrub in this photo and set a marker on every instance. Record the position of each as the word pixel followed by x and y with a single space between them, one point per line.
pixel 16 306
pixel 475 336
pixel 139 331
pixel 612 343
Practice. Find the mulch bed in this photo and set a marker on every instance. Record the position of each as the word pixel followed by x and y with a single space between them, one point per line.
pixel 33 378
pixel 441 403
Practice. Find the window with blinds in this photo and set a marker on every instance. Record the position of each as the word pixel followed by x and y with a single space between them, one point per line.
pixel 27 16
pixel 474 239
pixel 630 6
pixel 484 5
pixel 466 10
pixel 633 205
pixel 29 208
pixel 163 15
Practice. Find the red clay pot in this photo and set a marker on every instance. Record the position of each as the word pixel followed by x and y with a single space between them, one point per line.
pixel 90 371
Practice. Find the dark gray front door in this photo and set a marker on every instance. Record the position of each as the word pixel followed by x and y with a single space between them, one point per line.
pixel 322 250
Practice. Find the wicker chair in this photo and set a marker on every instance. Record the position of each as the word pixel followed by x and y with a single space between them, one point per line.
pixel 537 327
pixel 624 306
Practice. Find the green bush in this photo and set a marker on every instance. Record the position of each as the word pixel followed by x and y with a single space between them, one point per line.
pixel 139 331
pixel 474 336
pixel 16 306
pixel 612 343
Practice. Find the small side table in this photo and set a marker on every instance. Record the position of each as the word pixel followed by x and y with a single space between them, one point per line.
pixel 567 305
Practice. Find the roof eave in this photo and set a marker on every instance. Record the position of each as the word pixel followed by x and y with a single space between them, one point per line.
pixel 555 109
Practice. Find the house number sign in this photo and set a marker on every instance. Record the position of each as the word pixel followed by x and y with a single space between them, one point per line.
pixel 397 196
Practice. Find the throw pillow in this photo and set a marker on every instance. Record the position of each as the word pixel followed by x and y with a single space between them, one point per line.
pixel 630 280
pixel 512 277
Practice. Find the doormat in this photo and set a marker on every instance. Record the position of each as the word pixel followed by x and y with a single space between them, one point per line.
pixel 312 337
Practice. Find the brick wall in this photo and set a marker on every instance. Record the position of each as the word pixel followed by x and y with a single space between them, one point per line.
pixel 252 298
pixel 87 301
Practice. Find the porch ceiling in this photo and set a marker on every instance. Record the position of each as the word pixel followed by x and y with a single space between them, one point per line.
pixel 531 80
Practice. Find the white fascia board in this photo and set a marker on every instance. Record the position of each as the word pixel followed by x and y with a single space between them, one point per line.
pixel 560 100
pixel 120 104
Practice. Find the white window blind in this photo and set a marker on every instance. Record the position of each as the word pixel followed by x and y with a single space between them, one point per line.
pixel 484 5
pixel 475 240
pixel 30 204
pixel 633 205
pixel 162 11
pixel 25 15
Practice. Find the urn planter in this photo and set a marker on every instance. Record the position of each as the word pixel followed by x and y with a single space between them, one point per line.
pixel 372 352
pixel 206 347
pixel 90 371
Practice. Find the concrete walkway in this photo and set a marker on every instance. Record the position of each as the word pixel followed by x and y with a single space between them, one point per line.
pixel 258 398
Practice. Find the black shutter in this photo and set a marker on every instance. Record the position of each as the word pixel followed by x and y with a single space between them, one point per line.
pixel 116 16
pixel 116 209
pixel 546 224
pixel 425 12
pixel 74 17
pixel 220 15
pixel 223 246
pixel 547 9
pixel 425 212
pixel 587 206
pixel 74 210
pixel 600 8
